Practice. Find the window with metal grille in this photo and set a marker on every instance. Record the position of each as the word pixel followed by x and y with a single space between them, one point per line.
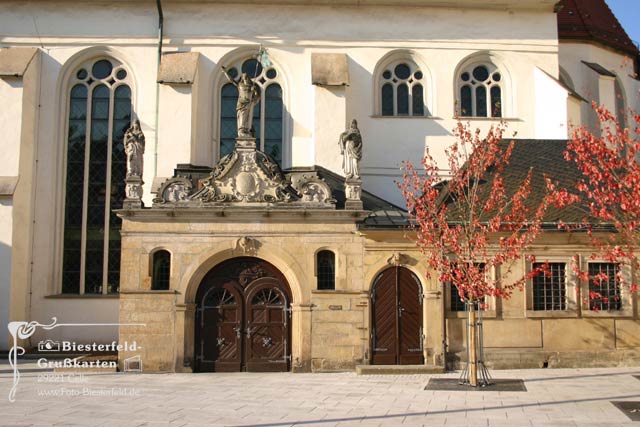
pixel 160 280
pixel 550 287
pixel 98 116
pixel 480 91
pixel 604 286
pixel 326 269
pixel 402 90
pixel 268 114
pixel 458 304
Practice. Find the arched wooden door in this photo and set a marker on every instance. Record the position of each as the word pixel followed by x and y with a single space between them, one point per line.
pixel 243 318
pixel 396 305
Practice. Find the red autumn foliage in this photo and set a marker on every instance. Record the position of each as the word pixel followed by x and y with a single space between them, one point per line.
pixel 469 222
pixel 609 191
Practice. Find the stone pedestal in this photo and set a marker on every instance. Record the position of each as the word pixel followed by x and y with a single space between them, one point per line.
pixel 133 192
pixel 245 143
pixel 353 192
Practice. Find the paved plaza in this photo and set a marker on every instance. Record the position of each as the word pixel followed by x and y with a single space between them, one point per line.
pixel 563 397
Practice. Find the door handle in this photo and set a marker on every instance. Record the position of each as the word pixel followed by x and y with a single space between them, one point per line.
pixel 250 331
pixel 400 310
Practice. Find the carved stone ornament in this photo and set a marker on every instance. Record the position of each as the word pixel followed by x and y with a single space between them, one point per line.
pixel 353 192
pixel 246 246
pixel 350 143
pixel 133 192
pixel 134 142
pixel 246 176
pixel 312 188
pixel 174 190
pixel 397 259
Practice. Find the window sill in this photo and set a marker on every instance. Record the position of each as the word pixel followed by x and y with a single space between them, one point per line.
pixel 552 314
pixel 378 116
pixel 489 119
pixel 84 296
pixel 622 314
pixel 486 314
pixel 336 291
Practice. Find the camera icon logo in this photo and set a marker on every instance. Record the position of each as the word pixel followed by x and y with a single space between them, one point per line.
pixel 48 345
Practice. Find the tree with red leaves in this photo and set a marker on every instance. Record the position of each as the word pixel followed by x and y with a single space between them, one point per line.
pixel 609 192
pixel 471 222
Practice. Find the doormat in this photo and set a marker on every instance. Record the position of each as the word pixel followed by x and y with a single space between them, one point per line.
pixel 453 384
pixel 630 409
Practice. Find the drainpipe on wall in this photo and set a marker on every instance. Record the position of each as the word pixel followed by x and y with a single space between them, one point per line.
pixel 157 116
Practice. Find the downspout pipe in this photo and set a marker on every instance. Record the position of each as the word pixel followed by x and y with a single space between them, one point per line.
pixel 157 115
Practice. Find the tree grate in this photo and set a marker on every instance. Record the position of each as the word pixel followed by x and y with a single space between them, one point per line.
pixel 453 384
pixel 630 409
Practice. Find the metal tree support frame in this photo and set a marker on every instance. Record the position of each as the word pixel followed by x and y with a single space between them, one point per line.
pixel 475 372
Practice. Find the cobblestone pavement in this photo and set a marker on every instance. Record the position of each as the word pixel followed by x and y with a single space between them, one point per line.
pixel 567 397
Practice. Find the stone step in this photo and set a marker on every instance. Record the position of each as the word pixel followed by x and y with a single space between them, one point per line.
pixel 398 369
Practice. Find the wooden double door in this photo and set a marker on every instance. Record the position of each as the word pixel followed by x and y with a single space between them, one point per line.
pixel 396 304
pixel 243 318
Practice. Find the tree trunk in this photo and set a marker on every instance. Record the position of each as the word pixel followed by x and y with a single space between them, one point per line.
pixel 472 342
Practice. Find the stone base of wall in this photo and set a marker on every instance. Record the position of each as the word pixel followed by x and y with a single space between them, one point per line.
pixel 533 359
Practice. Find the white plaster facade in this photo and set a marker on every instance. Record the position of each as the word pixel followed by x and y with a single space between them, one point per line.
pixel 181 121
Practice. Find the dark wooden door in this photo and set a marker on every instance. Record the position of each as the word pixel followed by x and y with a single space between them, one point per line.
pixel 396 301
pixel 243 318
pixel 267 325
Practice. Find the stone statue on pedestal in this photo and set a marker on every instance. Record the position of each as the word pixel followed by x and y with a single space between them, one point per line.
pixel 134 148
pixel 351 150
pixel 248 98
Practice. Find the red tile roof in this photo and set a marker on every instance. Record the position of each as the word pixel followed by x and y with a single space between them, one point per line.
pixel 593 20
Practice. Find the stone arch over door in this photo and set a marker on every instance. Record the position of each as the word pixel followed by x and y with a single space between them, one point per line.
pixel 243 318
pixel 397 318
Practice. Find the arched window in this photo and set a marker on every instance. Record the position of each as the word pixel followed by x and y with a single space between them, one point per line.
pixel 161 273
pixel 99 114
pixel 267 115
pixel 326 270
pixel 480 91
pixel 402 90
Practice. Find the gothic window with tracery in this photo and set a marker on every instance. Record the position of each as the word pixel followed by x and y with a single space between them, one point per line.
pixel 402 90
pixel 480 91
pixel 99 113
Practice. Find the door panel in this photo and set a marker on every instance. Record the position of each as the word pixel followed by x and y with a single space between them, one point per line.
pixel 410 319
pixel 397 318
pixel 266 338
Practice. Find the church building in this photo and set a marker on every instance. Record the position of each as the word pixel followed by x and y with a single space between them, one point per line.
pixel 216 180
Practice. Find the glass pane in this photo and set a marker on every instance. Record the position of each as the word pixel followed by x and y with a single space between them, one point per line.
pixel 228 121
pixel 403 100
pixel 252 67
pixel 387 100
pixel 481 101
pixel 402 71
pixel 161 270
pixel 496 101
pixel 97 194
pixel 273 123
pixel 326 270
pixel 121 121
pixel 74 190
pixel 465 102
pixel 418 101
pixel 481 73
pixel 101 69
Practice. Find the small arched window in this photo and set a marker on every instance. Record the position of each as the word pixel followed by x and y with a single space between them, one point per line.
pixel 621 109
pixel 99 113
pixel 480 91
pixel 161 271
pixel 268 114
pixel 326 270
pixel 402 90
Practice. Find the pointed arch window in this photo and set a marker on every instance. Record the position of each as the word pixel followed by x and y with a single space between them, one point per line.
pixel 268 114
pixel 480 91
pixel 99 112
pixel 402 90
